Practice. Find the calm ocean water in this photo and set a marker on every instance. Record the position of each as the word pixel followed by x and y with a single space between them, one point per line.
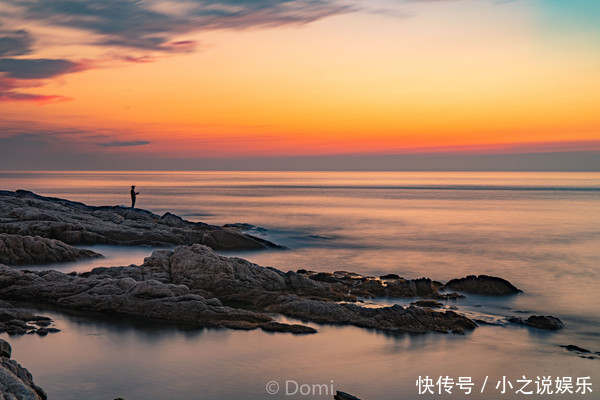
pixel 541 231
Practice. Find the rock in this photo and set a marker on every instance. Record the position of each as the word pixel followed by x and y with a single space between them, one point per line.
pixel 538 321
pixel 20 250
pixel 28 214
pixel 293 328
pixel 427 303
pixel 389 276
pixel 5 349
pixel 572 347
pixel 15 321
pixel 391 319
pixel 126 296
pixel 482 284
pixel 344 396
pixel 547 322
pixel 195 285
pixel 15 381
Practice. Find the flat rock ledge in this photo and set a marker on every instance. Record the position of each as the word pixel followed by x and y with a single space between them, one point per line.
pixel 15 381
pixel 193 284
pixel 21 250
pixel 28 214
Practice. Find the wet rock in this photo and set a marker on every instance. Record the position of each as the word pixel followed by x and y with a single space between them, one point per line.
pixel 15 381
pixel 392 319
pixel 547 322
pixel 5 348
pixel 389 277
pixel 28 214
pixel 427 303
pixel 572 347
pixel 344 396
pixel 20 250
pixel 15 321
pixel 126 296
pixel 291 328
pixel 482 284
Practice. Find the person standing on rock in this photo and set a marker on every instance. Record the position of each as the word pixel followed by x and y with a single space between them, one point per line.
pixel 133 196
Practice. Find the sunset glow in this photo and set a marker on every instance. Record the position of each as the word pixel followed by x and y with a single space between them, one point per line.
pixel 302 78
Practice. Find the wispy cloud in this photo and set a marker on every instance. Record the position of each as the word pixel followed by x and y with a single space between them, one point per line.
pixel 155 25
pixel 40 68
pixel 118 143
pixel 15 43
pixel 134 30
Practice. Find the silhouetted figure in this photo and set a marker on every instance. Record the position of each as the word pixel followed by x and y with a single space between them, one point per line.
pixel 133 196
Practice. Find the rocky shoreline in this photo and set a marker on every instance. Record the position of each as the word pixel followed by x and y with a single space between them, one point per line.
pixel 26 214
pixel 194 285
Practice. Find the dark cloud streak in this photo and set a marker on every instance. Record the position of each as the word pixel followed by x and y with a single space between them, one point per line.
pixel 117 143
pixel 40 68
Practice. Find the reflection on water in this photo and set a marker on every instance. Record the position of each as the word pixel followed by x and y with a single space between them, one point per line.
pixel 104 358
pixel 541 231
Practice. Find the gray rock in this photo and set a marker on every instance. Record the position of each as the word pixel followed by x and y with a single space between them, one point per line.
pixel 427 303
pixel 5 349
pixel 28 214
pixel 16 383
pixel 126 296
pixel 547 322
pixel 20 250
pixel 194 284
pixel 15 321
pixel 482 284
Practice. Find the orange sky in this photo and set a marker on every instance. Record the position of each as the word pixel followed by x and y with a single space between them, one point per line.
pixel 380 77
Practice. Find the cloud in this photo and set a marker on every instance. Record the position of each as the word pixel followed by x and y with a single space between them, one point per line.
pixel 133 30
pixel 118 143
pixel 154 25
pixel 40 68
pixel 34 98
pixel 15 43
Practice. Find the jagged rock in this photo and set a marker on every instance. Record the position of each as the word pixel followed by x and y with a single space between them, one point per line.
pixel 20 250
pixel 15 381
pixel 28 214
pixel 15 321
pixel 194 284
pixel 124 295
pixel 393 319
pixel 482 284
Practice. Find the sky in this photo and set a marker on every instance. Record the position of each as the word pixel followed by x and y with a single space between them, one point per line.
pixel 300 84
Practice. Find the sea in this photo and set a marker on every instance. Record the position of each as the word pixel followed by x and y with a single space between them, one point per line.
pixel 539 230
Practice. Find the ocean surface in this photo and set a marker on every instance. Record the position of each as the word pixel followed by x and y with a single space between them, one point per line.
pixel 541 231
